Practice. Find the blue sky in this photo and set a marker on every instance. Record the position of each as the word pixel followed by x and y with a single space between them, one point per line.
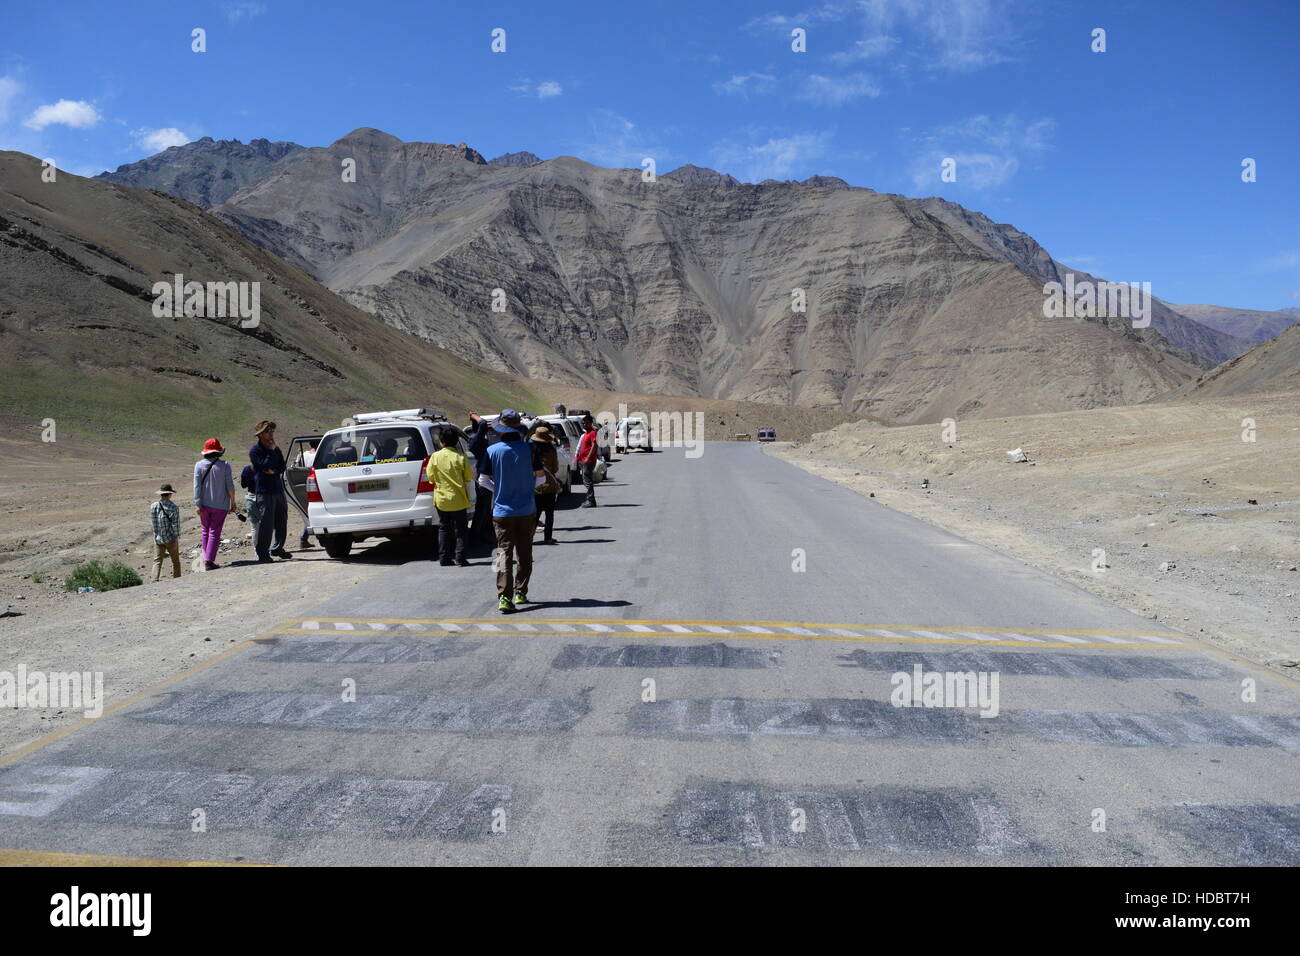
pixel 1126 163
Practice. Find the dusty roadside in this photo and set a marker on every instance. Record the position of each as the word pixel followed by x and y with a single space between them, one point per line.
pixel 67 502
pixel 1164 490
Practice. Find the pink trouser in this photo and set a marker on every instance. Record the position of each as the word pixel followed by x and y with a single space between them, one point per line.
pixel 212 519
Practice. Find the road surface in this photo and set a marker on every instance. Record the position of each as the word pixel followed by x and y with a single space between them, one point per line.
pixel 706 678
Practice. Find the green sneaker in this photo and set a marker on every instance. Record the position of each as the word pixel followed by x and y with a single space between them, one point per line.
pixel 521 597
pixel 504 605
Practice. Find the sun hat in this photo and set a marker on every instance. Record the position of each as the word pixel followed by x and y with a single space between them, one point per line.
pixel 543 433
pixel 212 445
pixel 508 421
pixel 263 426
pixel 166 490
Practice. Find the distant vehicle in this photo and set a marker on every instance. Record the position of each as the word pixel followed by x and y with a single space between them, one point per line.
pixel 367 480
pixel 767 434
pixel 632 433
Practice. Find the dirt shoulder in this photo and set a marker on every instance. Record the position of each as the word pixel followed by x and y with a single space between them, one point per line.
pixel 1163 490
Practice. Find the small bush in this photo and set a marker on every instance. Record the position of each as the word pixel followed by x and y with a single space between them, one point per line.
pixel 102 576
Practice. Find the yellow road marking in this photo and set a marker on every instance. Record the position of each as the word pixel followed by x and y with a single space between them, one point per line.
pixel 853 627
pixel 53 858
pixel 829 638
pixel 50 738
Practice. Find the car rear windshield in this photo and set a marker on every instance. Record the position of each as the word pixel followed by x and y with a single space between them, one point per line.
pixel 371 446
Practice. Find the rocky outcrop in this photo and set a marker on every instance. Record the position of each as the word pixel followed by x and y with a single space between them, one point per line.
pixel 205 172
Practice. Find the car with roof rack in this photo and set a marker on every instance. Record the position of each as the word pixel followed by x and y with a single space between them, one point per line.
pixel 367 479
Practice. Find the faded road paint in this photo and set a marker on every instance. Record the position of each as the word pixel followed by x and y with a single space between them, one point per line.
pixel 894 819
pixel 364 652
pixel 1043 663
pixel 874 719
pixel 664 655
pixel 372 711
pixel 285 804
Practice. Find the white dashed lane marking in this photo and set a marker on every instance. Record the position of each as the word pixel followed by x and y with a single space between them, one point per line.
pixel 771 630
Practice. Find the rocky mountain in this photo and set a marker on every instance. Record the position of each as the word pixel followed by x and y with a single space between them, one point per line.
pixel 523 158
pixel 911 309
pixel 205 172
pixel 691 175
pixel 693 288
pixel 1250 325
pixel 80 342
pixel 1272 366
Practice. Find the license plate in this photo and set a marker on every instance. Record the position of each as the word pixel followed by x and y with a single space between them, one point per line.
pixel 357 487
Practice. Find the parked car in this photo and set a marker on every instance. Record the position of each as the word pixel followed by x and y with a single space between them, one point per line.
pixel 569 432
pixel 767 434
pixel 632 433
pixel 367 479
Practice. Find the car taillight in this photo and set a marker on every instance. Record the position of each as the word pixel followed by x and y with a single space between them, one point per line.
pixel 313 489
pixel 425 486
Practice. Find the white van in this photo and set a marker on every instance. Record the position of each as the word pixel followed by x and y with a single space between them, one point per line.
pixel 367 478
pixel 632 433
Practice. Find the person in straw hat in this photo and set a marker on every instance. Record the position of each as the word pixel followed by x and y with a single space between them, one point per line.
pixel 546 493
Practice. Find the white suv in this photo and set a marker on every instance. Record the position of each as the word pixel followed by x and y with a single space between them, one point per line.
pixel 367 479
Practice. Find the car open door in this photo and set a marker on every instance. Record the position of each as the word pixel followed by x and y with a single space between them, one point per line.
pixel 296 468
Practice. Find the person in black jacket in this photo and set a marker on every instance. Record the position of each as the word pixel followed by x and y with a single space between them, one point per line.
pixel 268 462
pixel 478 436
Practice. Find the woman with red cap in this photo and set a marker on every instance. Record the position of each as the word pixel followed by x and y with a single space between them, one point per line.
pixel 214 498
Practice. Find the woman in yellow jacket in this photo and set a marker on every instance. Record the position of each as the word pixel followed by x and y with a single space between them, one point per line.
pixel 452 477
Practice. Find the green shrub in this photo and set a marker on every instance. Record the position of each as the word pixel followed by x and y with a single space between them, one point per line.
pixel 102 576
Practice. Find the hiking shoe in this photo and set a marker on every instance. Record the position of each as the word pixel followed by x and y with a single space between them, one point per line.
pixel 210 565
pixel 265 560
pixel 504 605
pixel 446 562
pixel 588 504
pixel 521 597
pixel 281 553
pixel 461 562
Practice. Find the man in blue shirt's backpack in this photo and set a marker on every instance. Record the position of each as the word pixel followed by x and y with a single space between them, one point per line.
pixel 510 469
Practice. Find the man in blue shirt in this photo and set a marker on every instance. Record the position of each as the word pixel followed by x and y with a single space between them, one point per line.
pixel 268 462
pixel 510 469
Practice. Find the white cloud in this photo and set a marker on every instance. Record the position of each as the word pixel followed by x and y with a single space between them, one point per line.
pixel 837 90
pixel 988 151
pixel 543 91
pixel 620 143
pixel 9 88
pixel 246 10
pixel 742 84
pixel 776 158
pixel 952 35
pixel 156 140
pixel 1283 260
pixel 76 113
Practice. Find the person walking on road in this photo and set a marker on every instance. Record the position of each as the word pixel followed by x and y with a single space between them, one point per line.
pixel 510 469
pixel 268 462
pixel 166 520
pixel 588 451
pixel 214 498
pixel 548 490
pixel 452 477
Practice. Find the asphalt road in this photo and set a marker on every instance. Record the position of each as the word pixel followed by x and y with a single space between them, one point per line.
pixel 706 678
